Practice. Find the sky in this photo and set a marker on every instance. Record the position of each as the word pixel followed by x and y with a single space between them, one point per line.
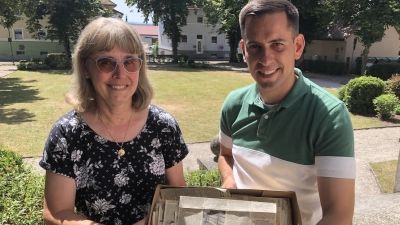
pixel 134 16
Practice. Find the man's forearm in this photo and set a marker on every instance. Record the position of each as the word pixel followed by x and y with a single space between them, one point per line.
pixel 225 165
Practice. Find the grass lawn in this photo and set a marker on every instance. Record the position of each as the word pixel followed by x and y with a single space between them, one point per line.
pixel 386 173
pixel 30 102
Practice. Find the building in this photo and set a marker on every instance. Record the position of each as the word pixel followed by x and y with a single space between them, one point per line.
pixel 148 34
pixel 199 41
pixel 340 44
pixel 25 47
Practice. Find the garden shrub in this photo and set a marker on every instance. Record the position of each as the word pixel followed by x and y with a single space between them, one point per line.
pixel 385 105
pixel 204 64
pixel 203 178
pixel 384 70
pixel 323 66
pixel 360 93
pixel 393 85
pixel 21 191
pixel 191 63
pixel 21 66
pixel 184 57
pixel 57 61
pixel 397 109
pixel 342 92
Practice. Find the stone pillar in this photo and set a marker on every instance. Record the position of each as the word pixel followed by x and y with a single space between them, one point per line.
pixel 397 179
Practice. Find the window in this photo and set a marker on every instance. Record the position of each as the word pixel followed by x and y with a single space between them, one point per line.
pixel 199 36
pixel 184 38
pixel 43 53
pixel 20 52
pixel 337 50
pixel 200 19
pixel 226 40
pixel 325 58
pixel 336 57
pixel 214 39
pixel 41 34
pixel 18 34
pixel 213 54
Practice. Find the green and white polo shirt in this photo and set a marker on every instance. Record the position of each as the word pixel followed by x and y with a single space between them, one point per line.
pixel 308 134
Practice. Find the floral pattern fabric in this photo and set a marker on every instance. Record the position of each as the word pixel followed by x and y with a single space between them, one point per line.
pixel 113 189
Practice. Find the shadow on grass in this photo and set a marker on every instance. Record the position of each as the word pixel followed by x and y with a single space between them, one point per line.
pixel 14 90
pixel 15 116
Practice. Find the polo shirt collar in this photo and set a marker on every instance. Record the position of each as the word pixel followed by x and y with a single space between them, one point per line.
pixel 299 89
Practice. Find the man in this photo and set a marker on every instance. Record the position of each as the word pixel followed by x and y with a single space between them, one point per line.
pixel 285 132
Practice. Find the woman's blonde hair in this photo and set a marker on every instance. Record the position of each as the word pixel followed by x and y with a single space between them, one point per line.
pixel 103 34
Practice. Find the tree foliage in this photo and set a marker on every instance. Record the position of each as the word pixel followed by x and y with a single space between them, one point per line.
pixel 371 19
pixel 66 18
pixel 9 11
pixel 314 19
pixel 171 13
pixel 225 13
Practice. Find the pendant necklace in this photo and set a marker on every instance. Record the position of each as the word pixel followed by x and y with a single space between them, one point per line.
pixel 121 150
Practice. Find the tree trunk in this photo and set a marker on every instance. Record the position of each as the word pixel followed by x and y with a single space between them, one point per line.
pixel 67 48
pixel 365 58
pixel 175 51
pixel 233 52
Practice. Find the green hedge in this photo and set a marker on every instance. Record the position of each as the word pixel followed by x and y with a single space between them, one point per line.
pixel 360 93
pixel 21 192
pixel 384 70
pixel 323 66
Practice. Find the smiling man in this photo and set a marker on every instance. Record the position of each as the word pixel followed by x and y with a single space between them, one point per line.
pixel 284 132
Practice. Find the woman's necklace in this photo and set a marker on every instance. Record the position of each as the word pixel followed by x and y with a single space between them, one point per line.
pixel 121 151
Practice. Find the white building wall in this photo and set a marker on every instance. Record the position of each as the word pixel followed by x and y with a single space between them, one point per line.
pixel 192 30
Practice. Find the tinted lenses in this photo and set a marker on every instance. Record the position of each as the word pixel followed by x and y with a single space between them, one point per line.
pixel 108 65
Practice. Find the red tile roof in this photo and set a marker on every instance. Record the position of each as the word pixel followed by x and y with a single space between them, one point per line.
pixel 146 30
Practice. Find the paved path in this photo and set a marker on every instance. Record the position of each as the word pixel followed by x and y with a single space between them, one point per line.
pixel 6 69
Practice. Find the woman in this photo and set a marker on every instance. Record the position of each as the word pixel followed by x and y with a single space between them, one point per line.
pixel 104 159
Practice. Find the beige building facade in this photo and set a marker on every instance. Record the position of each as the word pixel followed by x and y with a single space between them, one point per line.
pixel 338 45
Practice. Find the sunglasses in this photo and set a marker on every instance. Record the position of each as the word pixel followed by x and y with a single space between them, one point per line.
pixel 108 65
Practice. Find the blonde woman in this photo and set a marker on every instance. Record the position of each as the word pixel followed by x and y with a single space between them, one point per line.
pixel 104 159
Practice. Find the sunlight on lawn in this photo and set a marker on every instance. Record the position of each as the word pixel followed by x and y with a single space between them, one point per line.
pixel 30 103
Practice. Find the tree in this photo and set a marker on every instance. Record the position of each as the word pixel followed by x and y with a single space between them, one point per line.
pixel 66 18
pixel 226 13
pixel 315 16
pixel 172 13
pixel 371 19
pixel 9 16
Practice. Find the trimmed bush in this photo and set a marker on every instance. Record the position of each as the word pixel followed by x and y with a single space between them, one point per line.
pixel 342 92
pixel 393 85
pixel 22 192
pixel 191 63
pixel 204 178
pixel 385 105
pixel 360 93
pixel 21 66
pixel 384 70
pixel 57 61
pixel 323 66
pixel 397 109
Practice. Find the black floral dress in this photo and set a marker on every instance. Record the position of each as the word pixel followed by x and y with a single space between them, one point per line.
pixel 113 189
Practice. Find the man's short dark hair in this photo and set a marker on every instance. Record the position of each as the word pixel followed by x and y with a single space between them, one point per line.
pixel 261 7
